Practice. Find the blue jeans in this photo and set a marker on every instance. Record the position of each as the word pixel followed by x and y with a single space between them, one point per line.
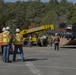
pixel 6 51
pixel 15 52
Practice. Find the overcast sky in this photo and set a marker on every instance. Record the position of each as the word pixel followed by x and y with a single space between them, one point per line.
pixel 74 1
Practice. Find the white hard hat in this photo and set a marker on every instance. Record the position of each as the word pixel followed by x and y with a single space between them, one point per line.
pixel 44 37
pixel 17 30
pixel 55 33
pixel 29 37
pixel 41 38
pixel 3 29
pixel 7 28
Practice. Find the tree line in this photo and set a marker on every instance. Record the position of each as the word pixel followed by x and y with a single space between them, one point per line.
pixel 22 14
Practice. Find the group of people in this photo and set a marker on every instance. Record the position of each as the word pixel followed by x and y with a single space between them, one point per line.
pixel 8 40
pixel 44 41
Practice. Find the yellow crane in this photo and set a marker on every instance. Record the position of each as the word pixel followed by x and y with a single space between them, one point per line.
pixel 36 29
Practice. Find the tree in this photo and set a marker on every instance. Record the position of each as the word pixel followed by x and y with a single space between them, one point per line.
pixel 24 13
pixel 2 15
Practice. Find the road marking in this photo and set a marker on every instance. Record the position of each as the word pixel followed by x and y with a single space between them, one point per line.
pixel 32 68
pixel 57 67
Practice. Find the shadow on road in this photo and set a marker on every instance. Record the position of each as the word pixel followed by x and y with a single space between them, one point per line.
pixel 31 59
pixel 35 59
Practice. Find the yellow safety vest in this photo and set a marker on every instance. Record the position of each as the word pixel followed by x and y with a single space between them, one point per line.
pixel 34 39
pixel 6 38
pixel 18 39
pixel 1 39
pixel 10 37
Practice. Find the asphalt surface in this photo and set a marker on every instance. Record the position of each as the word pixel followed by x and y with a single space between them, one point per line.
pixel 42 61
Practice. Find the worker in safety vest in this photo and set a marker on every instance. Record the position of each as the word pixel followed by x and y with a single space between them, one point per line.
pixel 6 42
pixel 56 41
pixel 18 44
pixel 11 38
pixel 1 39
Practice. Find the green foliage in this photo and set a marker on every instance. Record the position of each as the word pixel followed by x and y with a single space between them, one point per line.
pixel 21 14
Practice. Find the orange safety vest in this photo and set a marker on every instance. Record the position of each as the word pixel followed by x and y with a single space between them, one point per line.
pixel 1 39
pixel 6 38
pixel 18 39
pixel 56 38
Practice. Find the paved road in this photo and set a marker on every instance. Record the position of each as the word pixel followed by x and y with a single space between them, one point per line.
pixel 42 61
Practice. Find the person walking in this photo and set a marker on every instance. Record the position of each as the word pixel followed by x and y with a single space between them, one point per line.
pixel 18 44
pixel 6 42
pixel 56 42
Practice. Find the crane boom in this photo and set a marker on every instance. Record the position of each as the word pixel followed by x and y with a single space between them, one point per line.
pixel 36 29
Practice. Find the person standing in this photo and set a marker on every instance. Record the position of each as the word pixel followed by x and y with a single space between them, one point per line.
pixel 6 42
pixel 11 38
pixel 30 41
pixel 56 42
pixel 1 39
pixel 51 40
pixel 18 44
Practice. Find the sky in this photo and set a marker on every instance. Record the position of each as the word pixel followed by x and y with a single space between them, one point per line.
pixel 74 1
pixel 23 0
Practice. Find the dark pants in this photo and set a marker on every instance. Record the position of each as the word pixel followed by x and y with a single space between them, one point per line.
pixel 56 46
pixel 2 49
